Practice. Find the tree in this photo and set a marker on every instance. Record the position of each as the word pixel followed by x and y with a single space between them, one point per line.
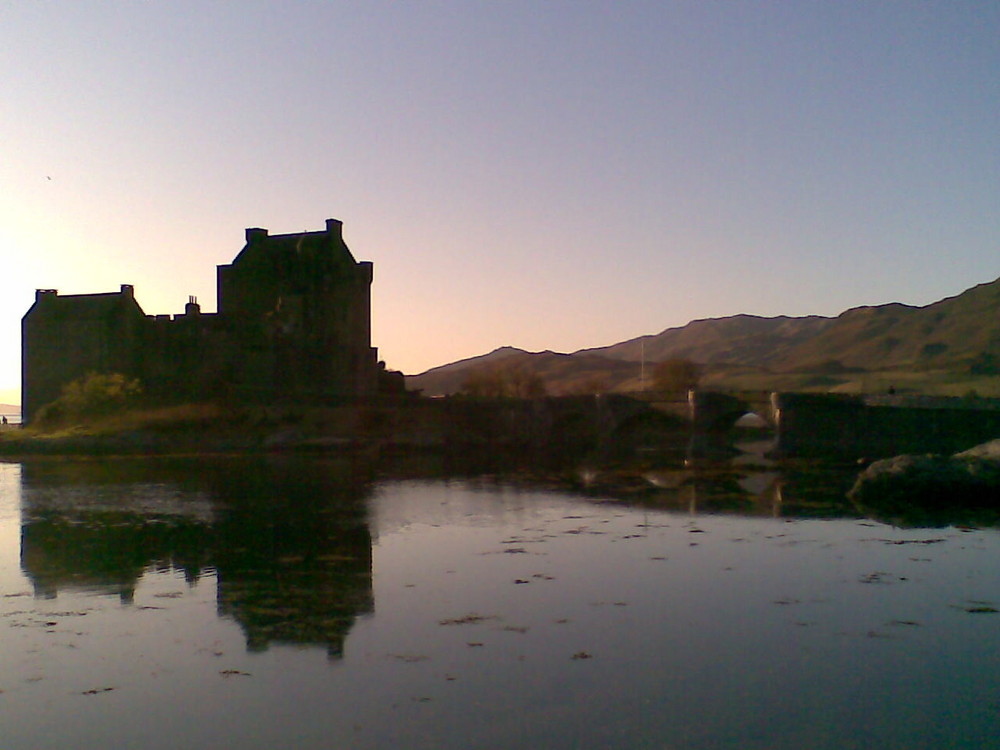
pixel 590 386
pixel 676 374
pixel 504 381
pixel 94 395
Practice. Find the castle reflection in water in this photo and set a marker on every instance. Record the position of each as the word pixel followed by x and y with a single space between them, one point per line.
pixel 290 549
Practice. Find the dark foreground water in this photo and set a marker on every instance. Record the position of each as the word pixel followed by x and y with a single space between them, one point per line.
pixel 306 604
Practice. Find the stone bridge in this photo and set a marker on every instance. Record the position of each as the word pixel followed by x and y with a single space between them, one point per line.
pixel 841 425
pixel 701 423
pixel 712 415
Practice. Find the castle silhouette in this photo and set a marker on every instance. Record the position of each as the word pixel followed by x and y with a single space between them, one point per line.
pixel 293 322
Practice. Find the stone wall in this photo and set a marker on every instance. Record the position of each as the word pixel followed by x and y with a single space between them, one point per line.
pixel 846 426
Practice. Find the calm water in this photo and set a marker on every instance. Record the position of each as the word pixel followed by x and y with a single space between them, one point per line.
pixel 307 604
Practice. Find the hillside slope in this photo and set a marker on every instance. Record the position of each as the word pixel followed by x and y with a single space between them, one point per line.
pixel 946 334
pixel 739 339
pixel 956 334
pixel 562 373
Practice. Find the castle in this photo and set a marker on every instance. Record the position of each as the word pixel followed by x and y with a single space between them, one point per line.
pixel 293 322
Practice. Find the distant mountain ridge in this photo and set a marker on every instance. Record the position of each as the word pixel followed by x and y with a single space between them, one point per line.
pixel 952 332
pixel 738 339
pixel 959 332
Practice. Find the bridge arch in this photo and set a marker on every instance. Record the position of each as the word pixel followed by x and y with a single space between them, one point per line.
pixel 715 415
pixel 649 429
pixel 712 411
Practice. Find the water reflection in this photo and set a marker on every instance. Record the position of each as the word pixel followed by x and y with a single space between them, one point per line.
pixel 290 548
pixel 803 492
pixel 695 607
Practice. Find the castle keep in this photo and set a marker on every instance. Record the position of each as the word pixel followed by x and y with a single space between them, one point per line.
pixel 293 322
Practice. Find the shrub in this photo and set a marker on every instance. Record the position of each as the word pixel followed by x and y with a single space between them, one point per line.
pixel 94 395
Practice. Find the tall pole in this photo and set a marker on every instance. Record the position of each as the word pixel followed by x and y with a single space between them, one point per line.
pixel 642 365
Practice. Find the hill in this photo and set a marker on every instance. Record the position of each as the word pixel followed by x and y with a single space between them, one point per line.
pixel 562 373
pixel 958 336
pixel 953 333
pixel 738 340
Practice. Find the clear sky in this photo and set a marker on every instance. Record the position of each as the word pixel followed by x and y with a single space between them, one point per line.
pixel 545 174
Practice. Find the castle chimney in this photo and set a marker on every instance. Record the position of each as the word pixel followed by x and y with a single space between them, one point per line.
pixel 128 291
pixel 335 228
pixel 39 293
pixel 255 233
pixel 192 307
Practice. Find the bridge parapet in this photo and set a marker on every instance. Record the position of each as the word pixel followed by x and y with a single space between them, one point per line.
pixel 916 401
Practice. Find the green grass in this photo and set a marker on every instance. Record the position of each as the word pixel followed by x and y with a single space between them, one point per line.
pixel 167 418
pixel 930 382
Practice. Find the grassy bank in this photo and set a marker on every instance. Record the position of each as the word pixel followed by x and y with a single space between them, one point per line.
pixel 924 382
pixel 197 427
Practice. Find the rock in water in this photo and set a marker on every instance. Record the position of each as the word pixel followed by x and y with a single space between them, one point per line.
pixel 957 480
pixel 989 451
